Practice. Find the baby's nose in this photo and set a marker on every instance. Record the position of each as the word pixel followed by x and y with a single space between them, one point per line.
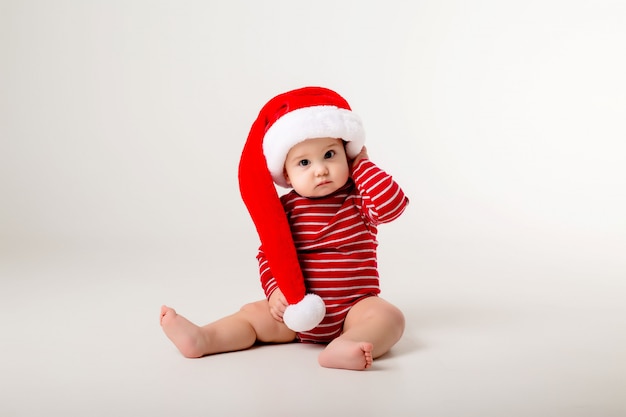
pixel 321 169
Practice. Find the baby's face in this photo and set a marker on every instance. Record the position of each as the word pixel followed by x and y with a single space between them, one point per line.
pixel 317 167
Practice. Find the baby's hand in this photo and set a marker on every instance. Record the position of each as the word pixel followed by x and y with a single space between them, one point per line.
pixel 362 155
pixel 278 304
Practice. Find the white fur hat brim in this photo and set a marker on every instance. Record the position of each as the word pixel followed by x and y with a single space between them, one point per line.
pixel 307 123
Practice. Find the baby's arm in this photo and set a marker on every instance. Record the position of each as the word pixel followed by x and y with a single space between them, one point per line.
pixel 268 282
pixel 275 297
pixel 382 198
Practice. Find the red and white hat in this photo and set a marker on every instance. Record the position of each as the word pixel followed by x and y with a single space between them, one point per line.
pixel 286 120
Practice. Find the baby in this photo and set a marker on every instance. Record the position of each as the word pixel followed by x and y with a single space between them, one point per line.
pixel 335 205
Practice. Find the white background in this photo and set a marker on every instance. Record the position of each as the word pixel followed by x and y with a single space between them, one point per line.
pixel 121 126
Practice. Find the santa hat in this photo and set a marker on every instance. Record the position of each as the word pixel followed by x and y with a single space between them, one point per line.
pixel 286 120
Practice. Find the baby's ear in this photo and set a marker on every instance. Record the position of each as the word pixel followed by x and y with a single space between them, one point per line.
pixel 286 176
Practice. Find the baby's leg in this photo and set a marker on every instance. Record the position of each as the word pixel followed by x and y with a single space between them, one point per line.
pixel 235 332
pixel 371 328
pixel 347 354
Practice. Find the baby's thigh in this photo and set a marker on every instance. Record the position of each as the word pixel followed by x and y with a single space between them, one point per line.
pixel 374 309
pixel 267 329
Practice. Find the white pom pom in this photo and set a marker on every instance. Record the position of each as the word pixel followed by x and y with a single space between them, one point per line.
pixel 306 314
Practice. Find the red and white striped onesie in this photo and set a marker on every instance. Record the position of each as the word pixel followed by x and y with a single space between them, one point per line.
pixel 335 237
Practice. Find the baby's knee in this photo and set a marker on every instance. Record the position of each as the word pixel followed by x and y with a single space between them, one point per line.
pixel 266 328
pixel 397 315
pixel 399 319
pixel 254 308
pixel 393 316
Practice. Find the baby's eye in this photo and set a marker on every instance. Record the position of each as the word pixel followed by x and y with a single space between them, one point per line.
pixel 304 162
pixel 329 154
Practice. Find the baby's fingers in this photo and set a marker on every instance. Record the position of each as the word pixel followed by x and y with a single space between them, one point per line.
pixel 277 313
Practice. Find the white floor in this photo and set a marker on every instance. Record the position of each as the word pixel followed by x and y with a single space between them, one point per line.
pixel 80 336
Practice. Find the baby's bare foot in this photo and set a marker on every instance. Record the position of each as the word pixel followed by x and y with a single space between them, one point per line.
pixel 347 354
pixel 185 335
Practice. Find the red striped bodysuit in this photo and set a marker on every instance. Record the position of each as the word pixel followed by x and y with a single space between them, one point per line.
pixel 335 237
